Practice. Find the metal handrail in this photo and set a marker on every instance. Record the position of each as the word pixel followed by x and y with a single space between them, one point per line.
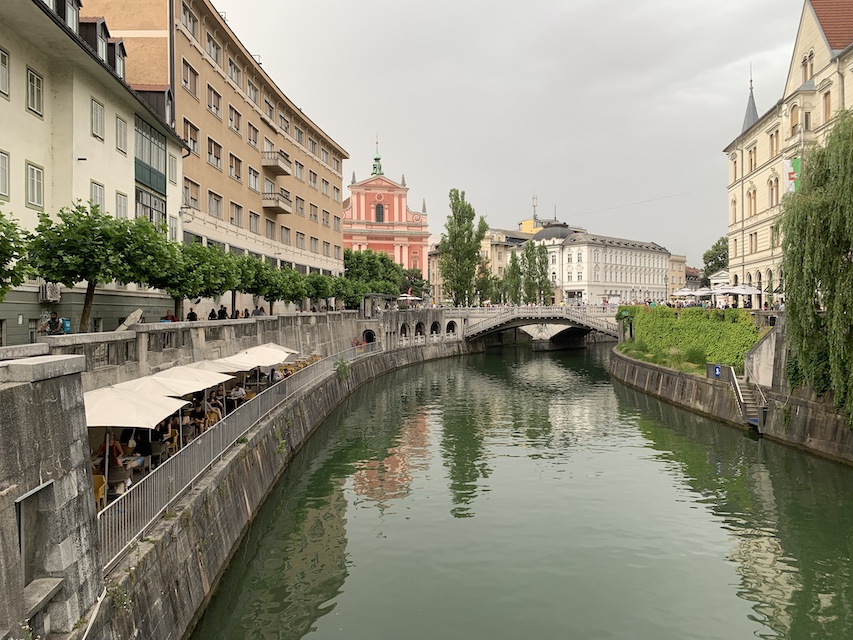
pixel 128 517
pixel 751 376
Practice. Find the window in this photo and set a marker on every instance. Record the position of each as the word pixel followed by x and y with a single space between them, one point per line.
pixel 326 218
pixel 336 163
pixel 773 143
pixel 252 135
pixel 4 174
pixel 270 229
pixel 214 101
pixel 752 156
pixel 312 213
pixel 121 205
pixel 300 206
pixel 96 195
pixel 235 167
pixel 580 257
pixel 299 170
pixel 97 119
pixel 235 119
pixel 191 136
pixel 254 222
pixel 189 20
pixel 254 179
pixel 35 186
pixel 807 120
pixel 150 146
pixel 191 193
pixel 324 187
pixel 734 248
pixel 252 91
pixel 300 240
pixel 151 206
pixel 315 245
pixel 312 146
pixel 213 50
pixel 283 124
pixel 72 15
pixel 189 78
pixel 35 92
pixel 121 135
pixel 236 215
pixel 4 73
pixel 827 107
pixel 269 186
pixel 269 109
pixel 214 204
pixel 102 44
pixel 173 228
pixel 120 65
pixel 214 153
pixel 234 72
pixel 337 252
pixel 312 179
pixel 298 135
pixel 285 235
pixel 336 194
pixel 324 155
pixel 337 226
pixel 795 120
pixel 326 249
pixel 269 147
pixel 173 169
pixel 380 213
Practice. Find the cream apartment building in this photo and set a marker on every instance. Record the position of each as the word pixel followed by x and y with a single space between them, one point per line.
pixel 764 159
pixel 73 129
pixel 261 177
pixel 675 278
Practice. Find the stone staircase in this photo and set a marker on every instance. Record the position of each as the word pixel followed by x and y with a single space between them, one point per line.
pixel 751 402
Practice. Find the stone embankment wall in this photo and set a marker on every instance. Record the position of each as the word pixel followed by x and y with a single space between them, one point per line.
pixel 703 395
pixel 158 591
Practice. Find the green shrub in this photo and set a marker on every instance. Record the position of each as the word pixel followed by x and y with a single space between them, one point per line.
pixel 696 355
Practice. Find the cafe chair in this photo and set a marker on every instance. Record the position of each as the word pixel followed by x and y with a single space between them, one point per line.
pixel 158 450
pixel 117 476
pixel 100 485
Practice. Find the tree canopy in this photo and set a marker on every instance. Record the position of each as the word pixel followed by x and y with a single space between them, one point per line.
pixel 512 279
pixel 375 269
pixel 13 249
pixel 817 236
pixel 459 249
pixel 716 258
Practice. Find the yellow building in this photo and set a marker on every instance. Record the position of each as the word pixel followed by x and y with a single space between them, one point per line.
pixel 675 278
pixel 764 159
pixel 261 177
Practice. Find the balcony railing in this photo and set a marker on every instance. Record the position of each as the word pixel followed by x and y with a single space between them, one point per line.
pixel 277 162
pixel 277 201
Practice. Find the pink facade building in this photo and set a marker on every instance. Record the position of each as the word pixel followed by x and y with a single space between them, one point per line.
pixel 377 217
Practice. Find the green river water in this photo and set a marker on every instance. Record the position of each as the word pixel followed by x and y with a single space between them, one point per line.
pixel 513 495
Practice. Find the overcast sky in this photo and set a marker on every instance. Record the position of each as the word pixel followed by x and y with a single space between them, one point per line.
pixel 614 113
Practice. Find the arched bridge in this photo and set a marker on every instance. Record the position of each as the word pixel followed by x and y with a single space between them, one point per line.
pixel 521 316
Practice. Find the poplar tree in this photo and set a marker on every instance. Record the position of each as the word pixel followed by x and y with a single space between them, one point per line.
pixel 817 262
pixel 459 249
pixel 512 280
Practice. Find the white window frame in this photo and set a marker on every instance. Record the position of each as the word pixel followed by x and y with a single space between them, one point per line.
pixel 252 134
pixel 214 204
pixel 97 195
pixel 35 186
pixel 214 102
pixel 235 119
pixel 121 205
pixel 189 20
pixel 254 179
pixel 235 72
pixel 97 120
pixel 189 78
pixel 72 15
pixel 4 175
pixel 252 91
pixel 4 72
pixel 214 50
pixel 173 169
pixel 35 92
pixel 236 215
pixel 254 222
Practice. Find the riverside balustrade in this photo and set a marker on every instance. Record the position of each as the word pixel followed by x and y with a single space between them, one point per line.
pixel 128 517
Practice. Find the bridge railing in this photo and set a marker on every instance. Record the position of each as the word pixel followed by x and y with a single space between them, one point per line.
pixel 538 313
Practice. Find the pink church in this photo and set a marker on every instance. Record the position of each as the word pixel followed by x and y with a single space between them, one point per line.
pixel 377 217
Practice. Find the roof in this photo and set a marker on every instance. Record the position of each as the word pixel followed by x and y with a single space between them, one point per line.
pixel 751 116
pixel 554 230
pixel 836 20
pixel 616 243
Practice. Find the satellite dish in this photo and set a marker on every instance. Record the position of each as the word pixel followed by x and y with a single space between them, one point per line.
pixel 131 320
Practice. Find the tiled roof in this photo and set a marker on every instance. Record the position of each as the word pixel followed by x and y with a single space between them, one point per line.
pixel 836 20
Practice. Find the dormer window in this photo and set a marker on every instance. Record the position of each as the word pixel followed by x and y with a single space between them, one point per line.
pixel 120 65
pixel 102 45
pixel 72 14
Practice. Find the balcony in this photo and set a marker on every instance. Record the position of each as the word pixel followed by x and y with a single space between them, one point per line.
pixel 277 202
pixel 277 162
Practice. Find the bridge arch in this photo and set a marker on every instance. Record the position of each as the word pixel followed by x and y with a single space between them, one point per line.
pixel 368 336
pixel 404 330
pixel 451 327
pixel 419 329
pixel 434 328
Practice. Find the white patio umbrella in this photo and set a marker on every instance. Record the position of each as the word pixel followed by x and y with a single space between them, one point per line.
pixel 745 290
pixel 209 365
pixel 702 292
pixel 278 347
pixel 113 407
pixel 200 378
pixel 154 386
pixel 681 293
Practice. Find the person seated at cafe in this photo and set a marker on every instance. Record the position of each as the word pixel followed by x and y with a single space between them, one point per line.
pixel 276 376
pixel 115 452
pixel 198 417
pixel 142 450
pixel 213 404
pixel 236 396
pixel 52 326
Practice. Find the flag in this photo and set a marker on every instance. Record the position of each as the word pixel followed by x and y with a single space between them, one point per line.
pixel 791 168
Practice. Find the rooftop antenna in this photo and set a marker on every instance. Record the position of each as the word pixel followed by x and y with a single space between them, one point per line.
pixel 534 200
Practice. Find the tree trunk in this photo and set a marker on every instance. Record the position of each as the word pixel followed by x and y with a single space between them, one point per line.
pixel 178 310
pixel 233 301
pixel 272 302
pixel 87 307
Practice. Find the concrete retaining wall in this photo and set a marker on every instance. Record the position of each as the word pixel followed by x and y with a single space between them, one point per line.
pixel 160 588
pixel 709 397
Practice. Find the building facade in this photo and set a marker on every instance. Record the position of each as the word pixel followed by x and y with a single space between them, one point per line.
pixel 261 177
pixel 73 129
pixel 675 278
pixel 376 216
pixel 763 160
pixel 588 268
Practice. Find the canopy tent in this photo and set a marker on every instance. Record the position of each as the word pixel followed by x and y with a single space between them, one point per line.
pixel 113 407
pixel 745 290
pixel 200 378
pixel 682 293
pixel 701 292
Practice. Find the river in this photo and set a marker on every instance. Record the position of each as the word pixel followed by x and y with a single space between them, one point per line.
pixel 520 495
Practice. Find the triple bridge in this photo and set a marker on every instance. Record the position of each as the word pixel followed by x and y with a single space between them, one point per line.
pixel 512 317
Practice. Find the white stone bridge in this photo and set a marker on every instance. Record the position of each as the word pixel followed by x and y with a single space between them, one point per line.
pixel 512 317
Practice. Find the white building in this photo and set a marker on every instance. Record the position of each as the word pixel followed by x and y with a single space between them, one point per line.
pixel 595 269
pixel 74 130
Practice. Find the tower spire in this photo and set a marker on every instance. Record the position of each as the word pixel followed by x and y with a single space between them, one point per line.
pixel 751 116
pixel 377 161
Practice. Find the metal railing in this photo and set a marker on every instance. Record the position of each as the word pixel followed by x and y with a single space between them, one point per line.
pixel 750 380
pixel 127 518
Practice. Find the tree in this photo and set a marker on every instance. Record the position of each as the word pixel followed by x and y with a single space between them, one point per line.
pixel 817 236
pixel 512 280
pixel 350 292
pixel 459 249
pixel 413 279
pixel 716 259
pixel 486 285
pixel 543 279
pixel 85 245
pixel 530 273
pixel 284 284
pixel 318 287
pixel 13 248
pixel 203 271
pixel 377 270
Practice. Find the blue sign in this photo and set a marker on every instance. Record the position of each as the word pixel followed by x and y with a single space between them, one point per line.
pixel 716 371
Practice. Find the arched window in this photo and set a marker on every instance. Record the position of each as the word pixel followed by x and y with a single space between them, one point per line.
pixel 733 218
pixel 795 119
pixel 380 213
